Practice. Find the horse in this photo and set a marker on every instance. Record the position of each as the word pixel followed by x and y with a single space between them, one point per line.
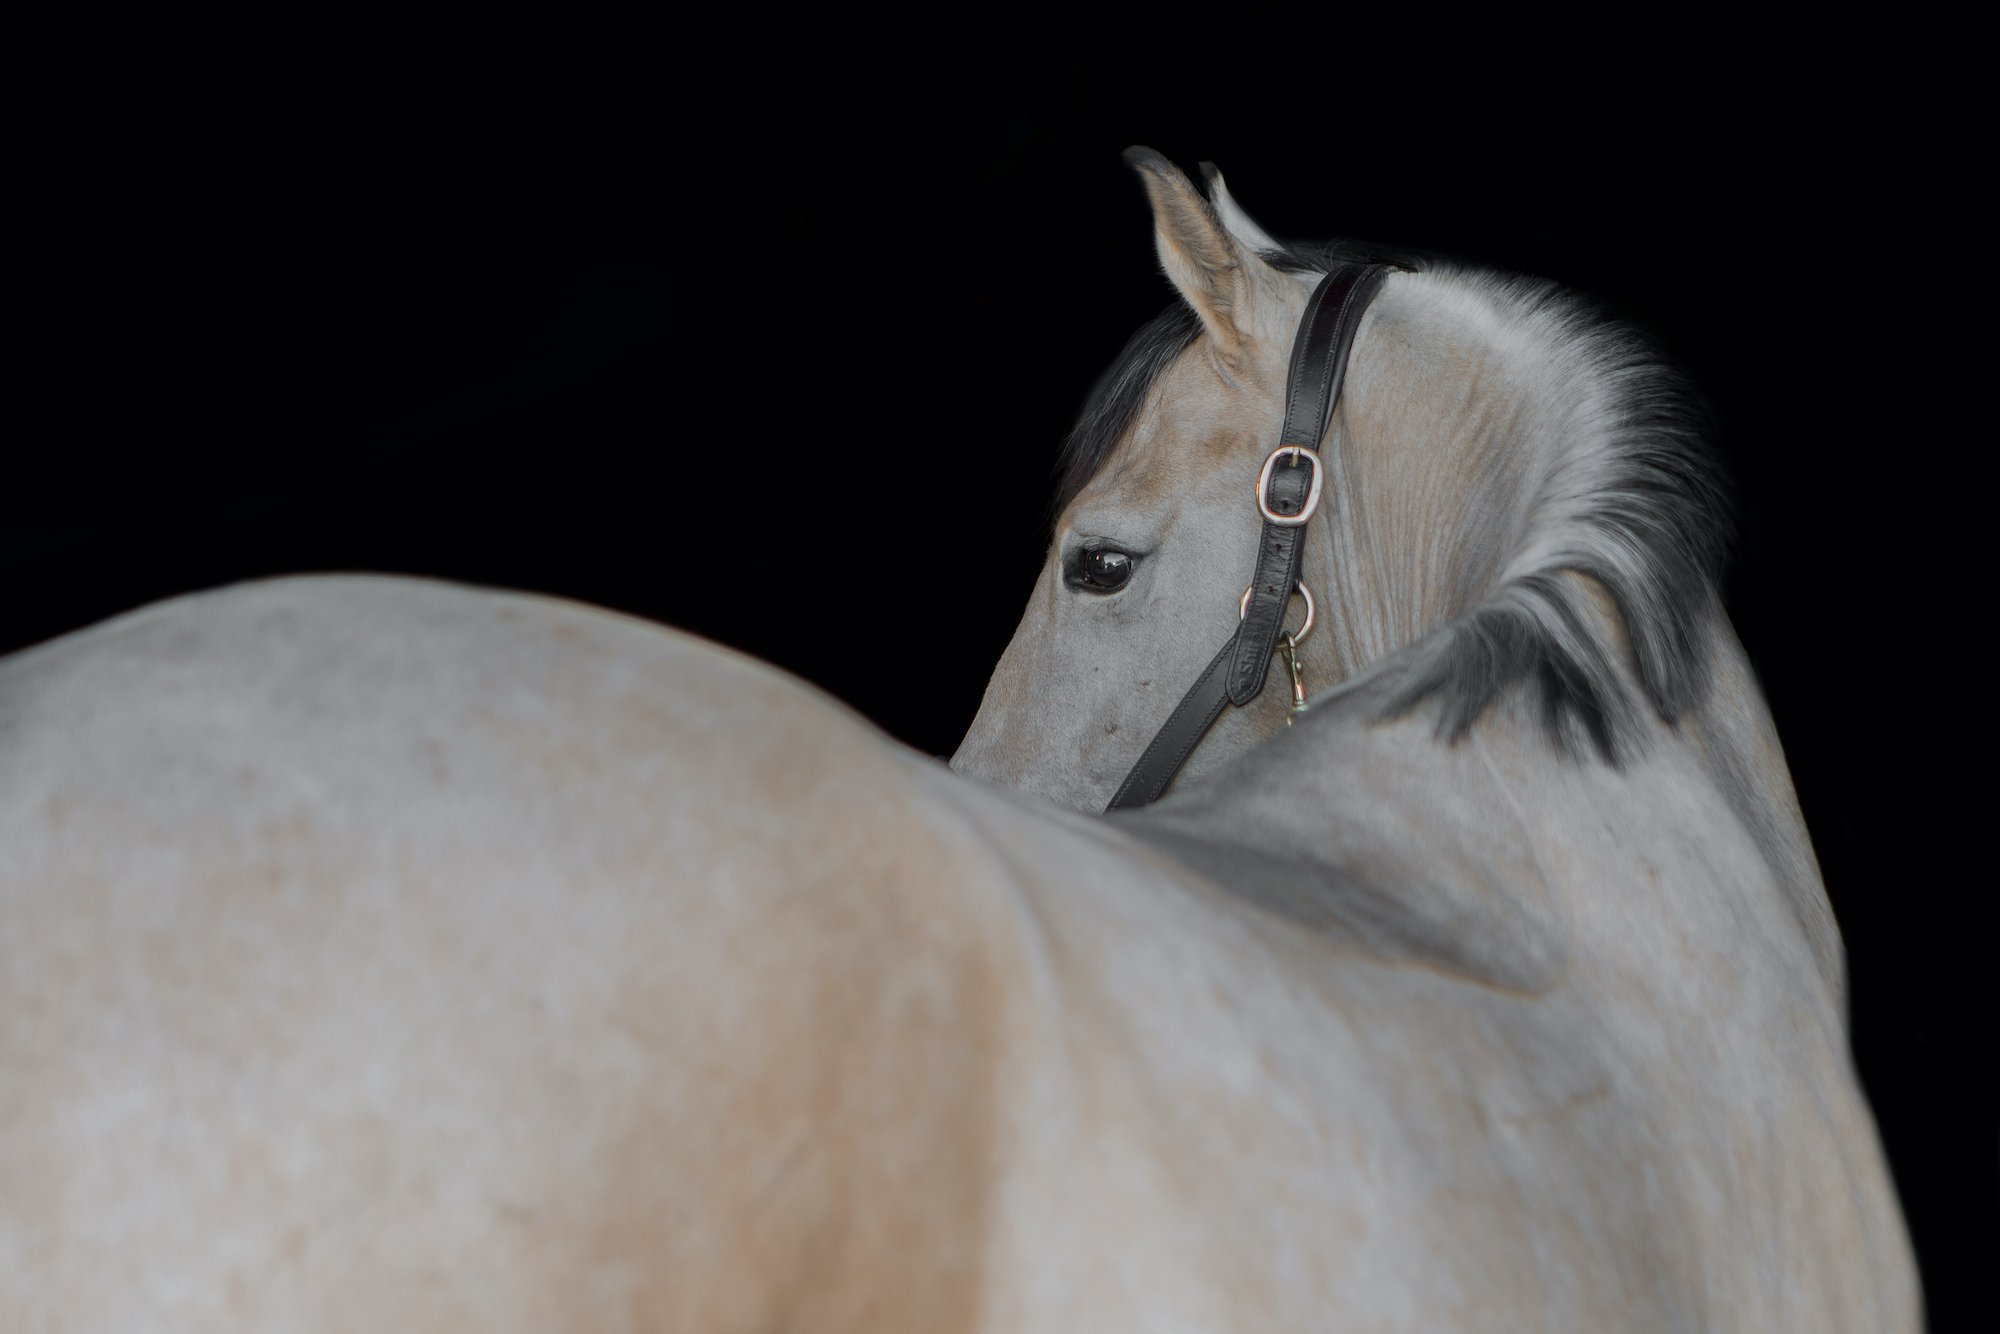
pixel 388 953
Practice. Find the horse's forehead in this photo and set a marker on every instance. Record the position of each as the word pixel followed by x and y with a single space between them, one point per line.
pixel 1197 425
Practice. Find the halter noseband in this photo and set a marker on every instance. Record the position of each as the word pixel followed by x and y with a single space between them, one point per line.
pixel 1286 497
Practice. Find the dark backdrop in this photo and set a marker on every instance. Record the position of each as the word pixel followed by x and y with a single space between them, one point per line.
pixel 783 357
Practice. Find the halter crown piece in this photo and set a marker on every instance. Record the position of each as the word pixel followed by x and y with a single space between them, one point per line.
pixel 1288 492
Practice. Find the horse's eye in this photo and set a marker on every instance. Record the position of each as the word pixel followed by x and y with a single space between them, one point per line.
pixel 1101 569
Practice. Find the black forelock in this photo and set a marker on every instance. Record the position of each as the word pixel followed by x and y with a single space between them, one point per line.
pixel 1114 401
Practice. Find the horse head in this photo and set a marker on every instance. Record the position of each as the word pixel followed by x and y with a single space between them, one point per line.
pixel 1513 494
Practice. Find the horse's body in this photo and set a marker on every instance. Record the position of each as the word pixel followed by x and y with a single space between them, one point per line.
pixel 389 955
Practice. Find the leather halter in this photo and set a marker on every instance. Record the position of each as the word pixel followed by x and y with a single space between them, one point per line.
pixel 1286 497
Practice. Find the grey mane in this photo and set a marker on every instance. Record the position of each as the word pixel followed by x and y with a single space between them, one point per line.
pixel 1641 508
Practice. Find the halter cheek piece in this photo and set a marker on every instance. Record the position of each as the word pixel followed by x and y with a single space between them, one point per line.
pixel 1288 491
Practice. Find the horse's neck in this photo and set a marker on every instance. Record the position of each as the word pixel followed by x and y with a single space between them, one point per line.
pixel 1737 743
pixel 1432 469
pixel 1501 858
pixel 1480 449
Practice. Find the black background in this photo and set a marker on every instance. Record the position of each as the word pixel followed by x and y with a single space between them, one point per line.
pixel 779 349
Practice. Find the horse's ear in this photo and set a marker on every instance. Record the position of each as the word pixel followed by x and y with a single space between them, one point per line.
pixel 1218 275
pixel 1234 220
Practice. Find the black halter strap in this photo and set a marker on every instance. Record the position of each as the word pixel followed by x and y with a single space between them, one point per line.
pixel 1237 674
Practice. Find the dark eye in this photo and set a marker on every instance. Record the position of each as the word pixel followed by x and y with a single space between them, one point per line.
pixel 1100 569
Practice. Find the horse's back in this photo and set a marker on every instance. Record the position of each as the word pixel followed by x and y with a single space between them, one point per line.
pixel 546 968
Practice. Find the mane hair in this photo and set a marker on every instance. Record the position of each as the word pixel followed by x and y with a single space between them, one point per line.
pixel 1633 499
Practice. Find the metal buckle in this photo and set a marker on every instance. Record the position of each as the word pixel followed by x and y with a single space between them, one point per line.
pixel 1293 638
pixel 1312 495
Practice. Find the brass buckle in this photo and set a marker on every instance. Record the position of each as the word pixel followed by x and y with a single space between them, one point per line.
pixel 1312 494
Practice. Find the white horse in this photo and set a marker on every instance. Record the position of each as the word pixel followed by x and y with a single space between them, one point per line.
pixel 389 955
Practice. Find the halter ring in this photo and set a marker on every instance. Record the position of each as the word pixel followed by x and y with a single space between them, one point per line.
pixel 1312 495
pixel 1295 637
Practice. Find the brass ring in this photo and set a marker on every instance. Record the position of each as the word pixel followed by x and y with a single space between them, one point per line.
pixel 1243 609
